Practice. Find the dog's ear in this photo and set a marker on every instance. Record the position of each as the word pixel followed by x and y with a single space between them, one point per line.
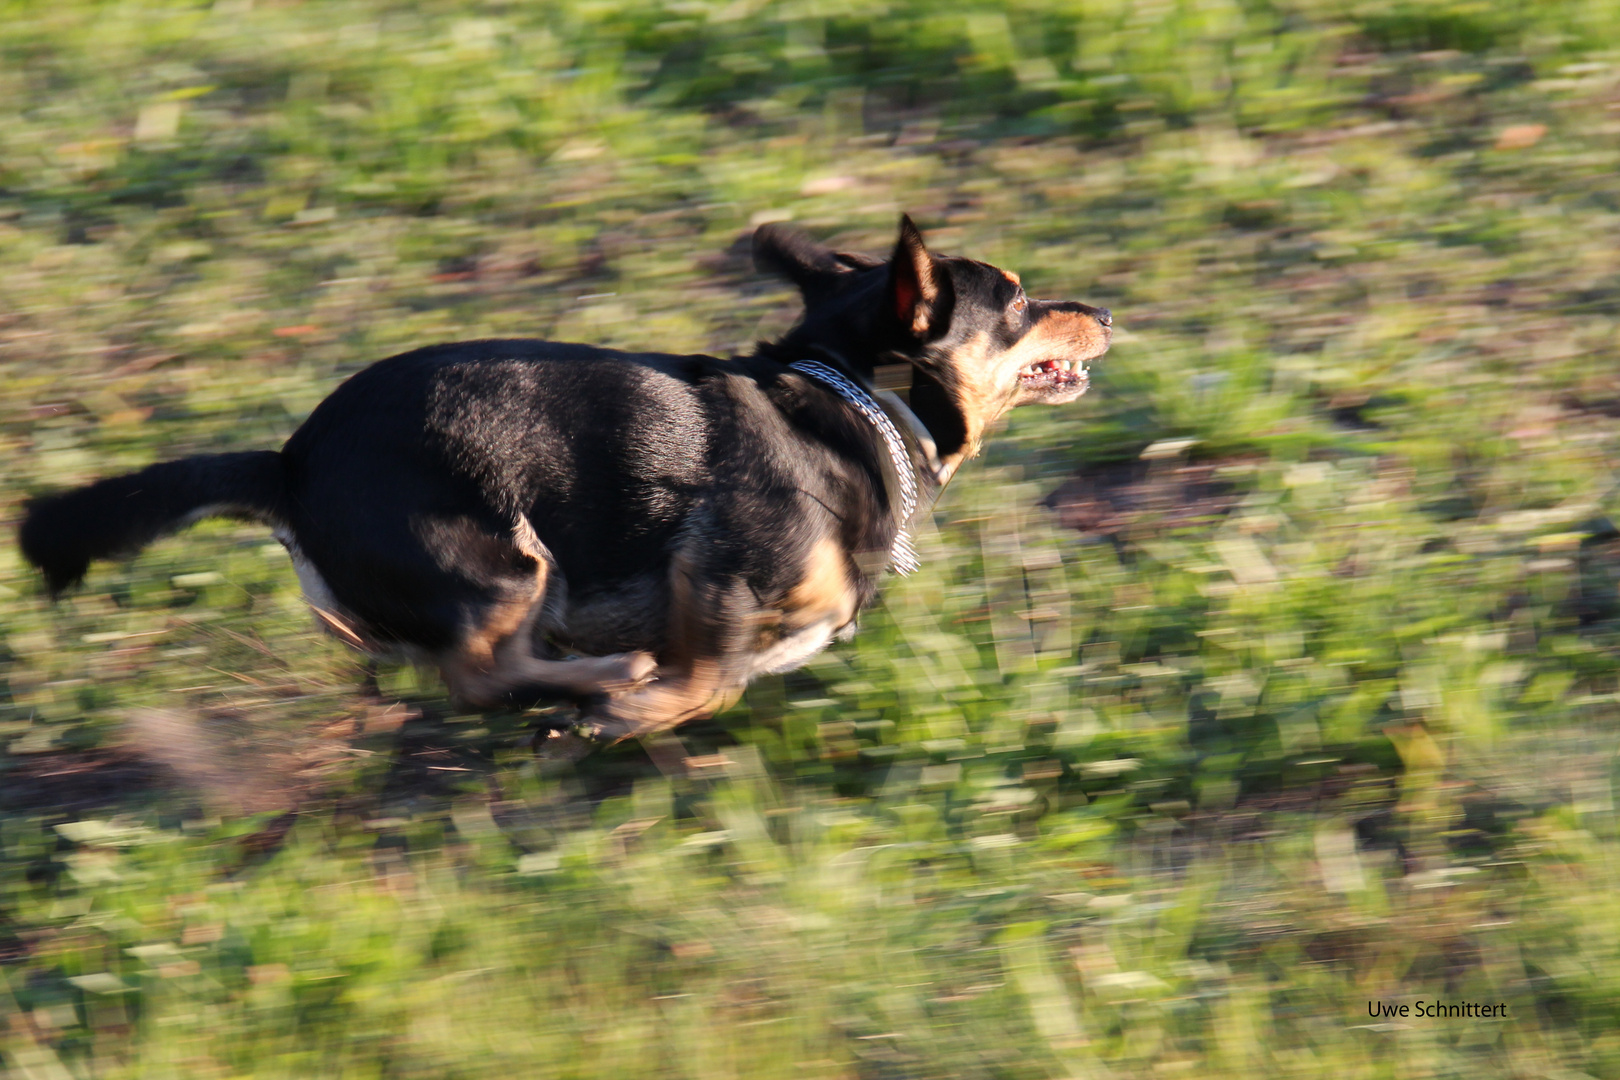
pixel 814 268
pixel 914 282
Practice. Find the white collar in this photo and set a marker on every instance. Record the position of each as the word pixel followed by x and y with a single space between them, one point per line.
pixel 902 553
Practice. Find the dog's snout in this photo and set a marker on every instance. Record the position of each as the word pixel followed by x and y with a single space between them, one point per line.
pixel 1103 315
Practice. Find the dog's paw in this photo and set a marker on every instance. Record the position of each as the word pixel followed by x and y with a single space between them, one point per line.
pixel 623 672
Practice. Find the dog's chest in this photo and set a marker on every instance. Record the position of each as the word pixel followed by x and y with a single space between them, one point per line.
pixel 822 603
pixel 794 648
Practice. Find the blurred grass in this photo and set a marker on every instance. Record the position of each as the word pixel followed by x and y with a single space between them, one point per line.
pixel 1275 677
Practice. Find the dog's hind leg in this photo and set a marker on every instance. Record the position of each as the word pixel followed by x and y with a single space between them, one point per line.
pixel 495 659
pixel 710 619
pixel 720 635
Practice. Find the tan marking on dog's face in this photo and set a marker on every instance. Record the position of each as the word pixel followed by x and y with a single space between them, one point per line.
pixel 1012 277
pixel 1070 339
pixel 1046 365
pixel 968 378
pixel 824 590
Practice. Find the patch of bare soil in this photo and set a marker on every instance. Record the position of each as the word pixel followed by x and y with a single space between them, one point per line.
pixel 1120 500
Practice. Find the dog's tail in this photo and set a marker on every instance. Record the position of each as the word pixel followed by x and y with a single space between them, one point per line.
pixel 61 533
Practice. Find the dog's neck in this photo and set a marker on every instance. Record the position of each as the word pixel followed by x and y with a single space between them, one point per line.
pixel 895 386
pixel 927 403
pixel 932 405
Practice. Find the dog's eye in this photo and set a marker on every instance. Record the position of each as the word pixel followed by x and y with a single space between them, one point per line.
pixel 1019 303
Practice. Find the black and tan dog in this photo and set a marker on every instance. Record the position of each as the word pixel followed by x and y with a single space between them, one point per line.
pixel 641 532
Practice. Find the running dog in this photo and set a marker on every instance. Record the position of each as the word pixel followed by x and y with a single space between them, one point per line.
pixel 642 533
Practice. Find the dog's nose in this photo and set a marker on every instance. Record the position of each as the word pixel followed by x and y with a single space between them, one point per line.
pixel 1105 316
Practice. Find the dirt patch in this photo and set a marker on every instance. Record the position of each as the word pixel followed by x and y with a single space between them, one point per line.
pixel 1121 500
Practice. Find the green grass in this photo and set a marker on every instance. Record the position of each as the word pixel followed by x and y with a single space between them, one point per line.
pixel 1081 799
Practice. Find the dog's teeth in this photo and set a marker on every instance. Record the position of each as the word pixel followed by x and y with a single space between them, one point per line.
pixel 1053 367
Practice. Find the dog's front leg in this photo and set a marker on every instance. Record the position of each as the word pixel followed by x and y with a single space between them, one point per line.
pixel 515 669
pixel 650 714
pixel 675 696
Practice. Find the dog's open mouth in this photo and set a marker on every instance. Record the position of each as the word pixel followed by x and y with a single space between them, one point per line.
pixel 1054 375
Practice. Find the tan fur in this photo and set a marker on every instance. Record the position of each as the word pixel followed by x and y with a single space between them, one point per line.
pixel 922 265
pixel 824 591
pixel 514 667
pixel 977 381
pixel 688 684
pixel 345 632
pixel 502 623
pixel 497 656
pixel 1060 335
pixel 679 694
pixel 984 384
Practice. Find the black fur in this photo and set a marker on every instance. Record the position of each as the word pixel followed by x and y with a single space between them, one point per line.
pixel 62 533
pixel 719 515
pixel 615 458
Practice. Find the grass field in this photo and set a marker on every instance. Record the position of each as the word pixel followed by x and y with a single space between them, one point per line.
pixel 1275 678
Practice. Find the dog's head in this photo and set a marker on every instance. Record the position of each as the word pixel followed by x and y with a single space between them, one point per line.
pixel 979 345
